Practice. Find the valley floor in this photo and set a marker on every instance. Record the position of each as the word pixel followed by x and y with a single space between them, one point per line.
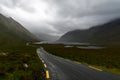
pixel 107 59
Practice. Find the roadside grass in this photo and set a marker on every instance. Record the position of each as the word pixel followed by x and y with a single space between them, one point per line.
pixel 107 59
pixel 112 70
pixel 13 60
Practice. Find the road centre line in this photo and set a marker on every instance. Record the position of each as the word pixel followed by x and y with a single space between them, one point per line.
pixel 47 74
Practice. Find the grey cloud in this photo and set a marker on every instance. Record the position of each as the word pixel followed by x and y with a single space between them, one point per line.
pixel 79 8
pixel 27 8
pixel 9 3
pixel 22 4
pixel 68 14
pixel 86 13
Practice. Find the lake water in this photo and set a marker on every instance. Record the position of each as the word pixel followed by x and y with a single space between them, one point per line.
pixel 90 47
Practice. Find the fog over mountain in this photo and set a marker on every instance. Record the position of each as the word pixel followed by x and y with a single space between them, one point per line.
pixel 11 32
pixel 56 17
pixel 105 34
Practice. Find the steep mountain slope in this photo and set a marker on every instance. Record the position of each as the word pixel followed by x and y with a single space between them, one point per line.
pixel 108 33
pixel 12 32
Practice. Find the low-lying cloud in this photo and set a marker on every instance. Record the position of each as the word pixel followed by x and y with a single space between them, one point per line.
pixel 56 17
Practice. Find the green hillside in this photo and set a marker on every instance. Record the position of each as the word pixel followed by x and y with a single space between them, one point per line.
pixel 14 54
pixel 107 34
pixel 12 32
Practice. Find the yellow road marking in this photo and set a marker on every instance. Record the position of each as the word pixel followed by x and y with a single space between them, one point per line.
pixel 45 65
pixel 47 74
pixel 95 68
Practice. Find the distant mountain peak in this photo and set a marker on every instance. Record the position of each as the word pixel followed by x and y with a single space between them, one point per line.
pixel 107 33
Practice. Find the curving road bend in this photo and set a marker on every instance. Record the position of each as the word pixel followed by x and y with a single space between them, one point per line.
pixel 62 69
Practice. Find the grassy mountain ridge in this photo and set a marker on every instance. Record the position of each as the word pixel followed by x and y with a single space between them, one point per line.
pixel 14 54
pixel 11 31
pixel 102 34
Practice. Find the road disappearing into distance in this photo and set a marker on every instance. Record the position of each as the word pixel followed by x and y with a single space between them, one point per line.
pixel 62 69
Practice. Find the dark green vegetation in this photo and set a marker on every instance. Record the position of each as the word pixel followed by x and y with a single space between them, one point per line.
pixel 17 61
pixel 13 60
pixel 106 34
pixel 107 58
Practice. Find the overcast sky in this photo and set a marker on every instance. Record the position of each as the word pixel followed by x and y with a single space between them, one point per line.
pixel 56 17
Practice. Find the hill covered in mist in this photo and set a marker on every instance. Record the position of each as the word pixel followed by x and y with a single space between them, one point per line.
pixel 108 33
pixel 11 32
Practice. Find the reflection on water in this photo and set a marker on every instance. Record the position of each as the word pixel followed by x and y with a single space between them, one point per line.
pixel 73 44
pixel 90 47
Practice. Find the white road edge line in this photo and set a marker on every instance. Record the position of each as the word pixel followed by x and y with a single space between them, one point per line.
pixel 95 68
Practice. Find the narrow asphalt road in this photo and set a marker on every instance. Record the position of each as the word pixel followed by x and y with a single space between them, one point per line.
pixel 62 69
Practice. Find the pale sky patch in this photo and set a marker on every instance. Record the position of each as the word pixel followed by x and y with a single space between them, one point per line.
pixel 56 17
